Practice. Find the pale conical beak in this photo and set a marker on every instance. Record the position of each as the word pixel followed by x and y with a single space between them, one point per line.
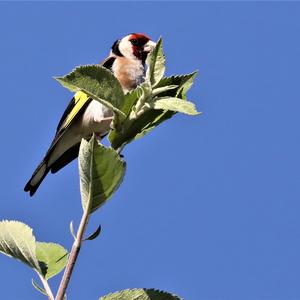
pixel 149 46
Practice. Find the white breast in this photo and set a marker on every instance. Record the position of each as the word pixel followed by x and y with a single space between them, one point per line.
pixel 96 118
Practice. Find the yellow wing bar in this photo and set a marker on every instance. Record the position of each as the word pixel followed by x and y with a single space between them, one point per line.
pixel 80 99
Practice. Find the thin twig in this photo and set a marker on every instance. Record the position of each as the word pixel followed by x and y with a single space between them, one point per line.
pixel 73 256
pixel 46 287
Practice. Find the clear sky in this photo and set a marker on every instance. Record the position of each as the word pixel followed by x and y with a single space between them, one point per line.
pixel 209 208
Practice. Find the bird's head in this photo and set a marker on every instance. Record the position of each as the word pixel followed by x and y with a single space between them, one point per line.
pixel 134 46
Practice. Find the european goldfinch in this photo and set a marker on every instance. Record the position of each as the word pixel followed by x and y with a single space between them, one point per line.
pixel 85 116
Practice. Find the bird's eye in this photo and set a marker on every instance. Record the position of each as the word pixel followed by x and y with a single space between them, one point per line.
pixel 134 42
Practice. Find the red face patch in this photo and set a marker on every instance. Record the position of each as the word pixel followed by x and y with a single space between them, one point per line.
pixel 138 41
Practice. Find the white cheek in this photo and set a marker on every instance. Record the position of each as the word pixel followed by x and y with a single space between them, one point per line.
pixel 126 49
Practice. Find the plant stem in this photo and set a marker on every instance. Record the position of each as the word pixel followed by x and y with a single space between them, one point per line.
pixel 119 150
pixel 46 287
pixel 73 256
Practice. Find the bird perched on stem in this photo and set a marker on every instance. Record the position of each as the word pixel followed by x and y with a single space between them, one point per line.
pixel 85 116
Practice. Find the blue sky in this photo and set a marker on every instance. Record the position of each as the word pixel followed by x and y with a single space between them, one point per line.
pixel 209 208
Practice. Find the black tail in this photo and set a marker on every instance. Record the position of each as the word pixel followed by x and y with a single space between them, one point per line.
pixel 36 179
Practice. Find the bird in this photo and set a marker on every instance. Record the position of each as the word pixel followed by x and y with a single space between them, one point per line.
pixel 85 116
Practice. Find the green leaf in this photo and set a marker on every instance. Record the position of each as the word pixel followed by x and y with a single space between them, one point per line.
pixel 17 241
pixel 38 288
pixel 140 294
pixel 98 83
pixel 156 64
pixel 163 89
pixel 138 127
pixel 72 230
pixel 101 172
pixel 183 82
pixel 176 104
pixel 52 258
pixel 145 97
pixel 130 99
pixel 168 87
pixel 160 117
pixel 94 235
pixel 186 85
